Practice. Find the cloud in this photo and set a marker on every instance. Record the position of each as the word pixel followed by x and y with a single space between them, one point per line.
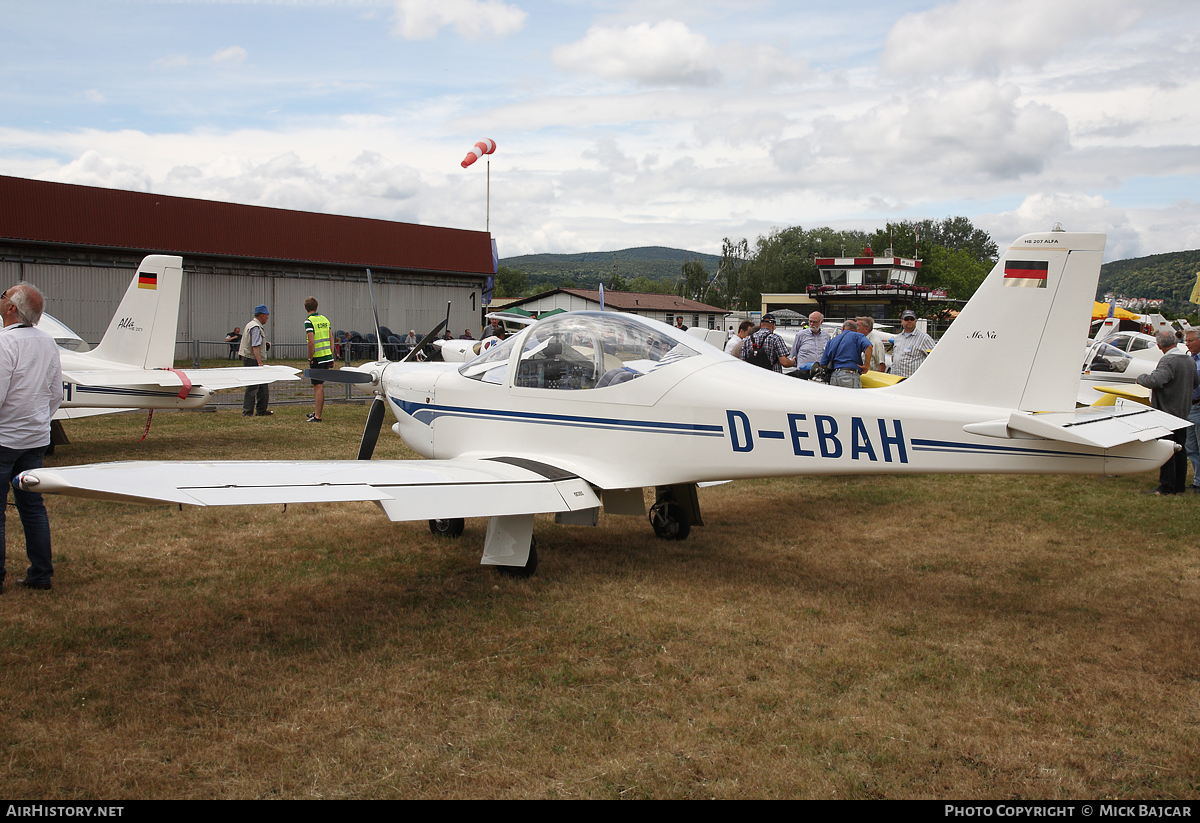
pixel 171 61
pixel 94 169
pixel 973 132
pixel 472 19
pixel 988 36
pixel 609 155
pixel 665 53
pixel 234 55
pixel 1076 212
pixel 763 66
pixel 94 96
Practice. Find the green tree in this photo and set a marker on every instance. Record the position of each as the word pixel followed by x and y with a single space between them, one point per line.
pixel 735 255
pixel 694 280
pixel 510 282
pixel 957 271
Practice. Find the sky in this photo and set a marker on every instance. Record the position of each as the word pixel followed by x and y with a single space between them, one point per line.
pixel 621 124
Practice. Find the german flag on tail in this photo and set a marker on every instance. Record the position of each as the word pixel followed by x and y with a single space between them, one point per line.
pixel 148 280
pixel 1028 274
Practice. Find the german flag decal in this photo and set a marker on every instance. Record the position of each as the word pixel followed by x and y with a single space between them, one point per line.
pixel 149 280
pixel 1029 274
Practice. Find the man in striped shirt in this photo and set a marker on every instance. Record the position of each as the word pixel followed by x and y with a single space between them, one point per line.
pixel 910 347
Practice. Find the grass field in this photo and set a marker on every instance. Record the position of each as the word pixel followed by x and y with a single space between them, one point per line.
pixel 998 637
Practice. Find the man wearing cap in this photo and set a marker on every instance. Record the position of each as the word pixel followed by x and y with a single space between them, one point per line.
pixel 849 355
pixel 765 348
pixel 911 347
pixel 809 345
pixel 253 350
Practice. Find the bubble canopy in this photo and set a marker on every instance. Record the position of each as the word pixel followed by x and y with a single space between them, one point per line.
pixel 582 350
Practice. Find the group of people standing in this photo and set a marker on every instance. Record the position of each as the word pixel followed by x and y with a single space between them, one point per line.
pixel 858 349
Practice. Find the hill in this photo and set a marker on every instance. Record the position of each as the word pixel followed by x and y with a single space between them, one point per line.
pixel 1168 276
pixel 587 269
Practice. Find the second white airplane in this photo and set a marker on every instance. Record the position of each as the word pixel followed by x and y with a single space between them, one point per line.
pixel 133 365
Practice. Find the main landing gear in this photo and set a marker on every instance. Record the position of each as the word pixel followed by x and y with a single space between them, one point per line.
pixel 676 509
pixel 669 521
pixel 452 528
pixel 523 571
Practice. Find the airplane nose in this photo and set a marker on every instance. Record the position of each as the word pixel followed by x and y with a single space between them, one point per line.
pixel 26 481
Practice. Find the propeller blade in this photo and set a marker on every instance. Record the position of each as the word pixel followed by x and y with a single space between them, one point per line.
pixel 375 312
pixel 371 430
pixel 412 355
pixel 337 375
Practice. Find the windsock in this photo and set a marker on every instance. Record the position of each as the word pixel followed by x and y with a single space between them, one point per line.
pixel 479 150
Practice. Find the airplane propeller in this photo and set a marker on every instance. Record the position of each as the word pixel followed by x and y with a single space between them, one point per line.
pixel 371 430
pixel 412 355
pixel 378 406
pixel 375 313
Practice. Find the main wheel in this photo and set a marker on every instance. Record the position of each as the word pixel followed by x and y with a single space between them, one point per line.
pixel 669 521
pixel 523 571
pixel 448 528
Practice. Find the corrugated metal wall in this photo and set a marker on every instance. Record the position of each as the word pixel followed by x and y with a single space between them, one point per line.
pixel 212 303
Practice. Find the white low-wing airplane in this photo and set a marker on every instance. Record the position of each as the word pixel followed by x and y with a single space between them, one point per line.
pixel 586 409
pixel 1117 361
pixel 132 367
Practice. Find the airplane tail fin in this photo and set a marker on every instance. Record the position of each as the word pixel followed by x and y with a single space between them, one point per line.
pixel 1019 342
pixel 142 332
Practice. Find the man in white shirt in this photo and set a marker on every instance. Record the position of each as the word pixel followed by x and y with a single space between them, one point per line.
pixel 31 391
pixel 734 346
pixel 866 327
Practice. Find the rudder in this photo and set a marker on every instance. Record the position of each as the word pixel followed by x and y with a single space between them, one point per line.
pixel 1018 343
pixel 142 332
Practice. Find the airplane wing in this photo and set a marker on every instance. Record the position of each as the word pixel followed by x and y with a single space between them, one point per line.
pixel 1104 427
pixel 209 378
pixel 404 489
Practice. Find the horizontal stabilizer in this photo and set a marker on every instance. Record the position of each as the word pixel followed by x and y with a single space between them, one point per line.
pixel 1099 427
pixel 404 489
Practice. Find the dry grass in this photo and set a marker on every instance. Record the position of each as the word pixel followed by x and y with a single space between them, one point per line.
pixel 869 637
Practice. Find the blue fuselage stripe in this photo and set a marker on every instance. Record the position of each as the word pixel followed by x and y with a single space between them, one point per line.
pixel 426 414
pixel 954 447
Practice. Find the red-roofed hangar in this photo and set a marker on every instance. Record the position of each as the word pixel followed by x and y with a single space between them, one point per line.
pixel 81 245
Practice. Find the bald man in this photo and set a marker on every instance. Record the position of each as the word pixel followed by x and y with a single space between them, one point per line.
pixel 31 390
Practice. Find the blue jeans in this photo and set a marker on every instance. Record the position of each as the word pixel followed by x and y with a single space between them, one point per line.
pixel 32 511
pixel 1193 444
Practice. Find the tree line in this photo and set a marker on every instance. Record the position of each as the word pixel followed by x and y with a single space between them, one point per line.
pixel 956 256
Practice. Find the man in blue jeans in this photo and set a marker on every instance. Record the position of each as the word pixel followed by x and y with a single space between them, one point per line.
pixel 30 393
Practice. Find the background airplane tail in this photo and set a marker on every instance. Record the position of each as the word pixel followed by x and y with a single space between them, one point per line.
pixel 1019 342
pixel 142 332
